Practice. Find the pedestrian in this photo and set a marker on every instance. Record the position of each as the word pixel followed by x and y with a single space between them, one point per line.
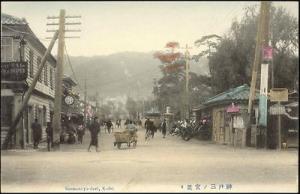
pixel 164 128
pixel 147 126
pixel 94 130
pixel 116 123
pixel 49 131
pixel 80 133
pixel 37 133
pixel 152 128
pixel 109 125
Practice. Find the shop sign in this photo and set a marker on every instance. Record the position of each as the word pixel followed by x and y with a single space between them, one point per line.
pixel 233 109
pixel 277 110
pixel 267 53
pixel 14 71
pixel 279 95
pixel 238 122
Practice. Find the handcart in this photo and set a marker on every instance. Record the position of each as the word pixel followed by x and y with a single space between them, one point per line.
pixel 127 137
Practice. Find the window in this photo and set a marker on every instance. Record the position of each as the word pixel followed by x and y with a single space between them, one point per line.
pixel 51 78
pixel 30 63
pixel 46 75
pixel 6 49
pixel 39 65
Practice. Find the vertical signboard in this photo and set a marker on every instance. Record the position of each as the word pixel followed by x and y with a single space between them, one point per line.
pixel 263 95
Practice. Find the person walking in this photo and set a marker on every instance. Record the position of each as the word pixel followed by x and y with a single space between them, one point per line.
pixel 49 131
pixel 164 128
pixel 152 128
pixel 94 130
pixel 109 125
pixel 80 133
pixel 148 128
pixel 37 133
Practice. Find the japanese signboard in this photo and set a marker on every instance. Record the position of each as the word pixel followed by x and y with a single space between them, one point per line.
pixel 233 109
pixel 238 122
pixel 267 53
pixel 13 71
pixel 277 110
pixel 263 95
pixel 279 95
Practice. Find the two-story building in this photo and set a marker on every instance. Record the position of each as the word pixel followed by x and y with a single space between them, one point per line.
pixel 21 54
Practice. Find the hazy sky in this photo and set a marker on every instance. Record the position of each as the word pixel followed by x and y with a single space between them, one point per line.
pixel 110 27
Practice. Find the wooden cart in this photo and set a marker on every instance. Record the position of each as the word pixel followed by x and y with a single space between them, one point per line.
pixel 127 137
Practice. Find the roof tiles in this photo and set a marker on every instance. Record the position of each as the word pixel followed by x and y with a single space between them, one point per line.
pixel 12 20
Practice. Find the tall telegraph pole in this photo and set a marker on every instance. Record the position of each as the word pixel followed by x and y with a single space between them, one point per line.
pixel 59 69
pixel 263 97
pixel 187 77
pixel 58 78
pixel 261 30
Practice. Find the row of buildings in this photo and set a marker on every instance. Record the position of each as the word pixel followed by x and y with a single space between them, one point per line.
pixel 21 54
pixel 228 113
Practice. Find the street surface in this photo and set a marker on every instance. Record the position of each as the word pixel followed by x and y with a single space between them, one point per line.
pixel 158 165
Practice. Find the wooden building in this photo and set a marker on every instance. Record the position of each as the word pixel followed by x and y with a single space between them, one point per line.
pixel 227 113
pixel 21 54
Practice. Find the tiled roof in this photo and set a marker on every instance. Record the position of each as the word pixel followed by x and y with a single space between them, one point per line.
pixel 20 26
pixel 12 20
pixel 67 78
pixel 238 93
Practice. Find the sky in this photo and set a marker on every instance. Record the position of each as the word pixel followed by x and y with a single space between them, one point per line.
pixel 111 27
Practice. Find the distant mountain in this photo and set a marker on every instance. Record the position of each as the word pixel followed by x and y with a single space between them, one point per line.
pixel 119 74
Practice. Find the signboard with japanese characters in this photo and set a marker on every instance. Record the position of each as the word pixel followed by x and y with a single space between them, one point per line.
pixel 277 109
pixel 279 95
pixel 238 122
pixel 14 71
pixel 233 109
pixel 267 53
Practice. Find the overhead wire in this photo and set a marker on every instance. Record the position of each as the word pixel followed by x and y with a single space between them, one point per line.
pixel 73 72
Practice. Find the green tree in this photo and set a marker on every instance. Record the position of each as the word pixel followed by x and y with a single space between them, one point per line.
pixel 230 64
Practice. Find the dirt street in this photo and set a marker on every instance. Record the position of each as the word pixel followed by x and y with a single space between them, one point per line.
pixel 165 165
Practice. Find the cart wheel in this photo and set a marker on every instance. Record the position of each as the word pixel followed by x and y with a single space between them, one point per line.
pixel 119 145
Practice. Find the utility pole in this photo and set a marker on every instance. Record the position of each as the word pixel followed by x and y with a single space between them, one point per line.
pixel 186 106
pixel 187 77
pixel 261 30
pixel 59 70
pixel 263 96
pixel 12 129
pixel 58 79
pixel 256 59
